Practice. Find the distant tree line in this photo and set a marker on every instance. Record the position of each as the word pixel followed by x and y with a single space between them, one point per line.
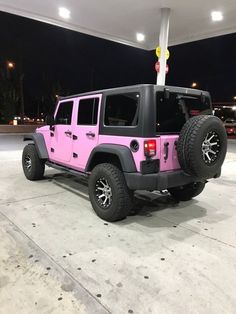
pixel 12 96
pixel 9 95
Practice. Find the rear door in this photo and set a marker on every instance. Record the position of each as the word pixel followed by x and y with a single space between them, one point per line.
pixel 168 153
pixel 61 137
pixel 85 129
pixel 172 112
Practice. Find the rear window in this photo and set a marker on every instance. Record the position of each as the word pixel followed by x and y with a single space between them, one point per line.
pixel 122 110
pixel 172 112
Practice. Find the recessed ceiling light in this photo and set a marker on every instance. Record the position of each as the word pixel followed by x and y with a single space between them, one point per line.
pixel 140 37
pixel 64 13
pixel 216 16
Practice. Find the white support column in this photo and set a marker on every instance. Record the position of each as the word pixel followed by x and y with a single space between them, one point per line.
pixel 163 43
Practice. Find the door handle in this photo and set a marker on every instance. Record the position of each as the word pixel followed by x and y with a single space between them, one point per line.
pixel 166 150
pixel 90 134
pixel 68 133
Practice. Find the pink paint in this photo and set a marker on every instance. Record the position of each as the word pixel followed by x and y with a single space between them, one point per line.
pixel 123 140
pixel 61 145
pixel 171 163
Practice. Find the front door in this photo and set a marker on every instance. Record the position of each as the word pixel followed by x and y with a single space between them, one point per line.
pixel 85 129
pixel 61 137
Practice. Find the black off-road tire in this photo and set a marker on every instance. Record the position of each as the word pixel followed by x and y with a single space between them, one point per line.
pixel 122 196
pixel 187 192
pixel 36 170
pixel 189 146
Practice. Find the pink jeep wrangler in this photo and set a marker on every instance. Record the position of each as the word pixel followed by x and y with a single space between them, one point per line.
pixel 143 137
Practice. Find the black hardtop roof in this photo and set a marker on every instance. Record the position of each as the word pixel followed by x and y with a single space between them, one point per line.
pixel 176 89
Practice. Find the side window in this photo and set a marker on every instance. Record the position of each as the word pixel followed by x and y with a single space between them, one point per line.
pixel 64 112
pixel 122 110
pixel 88 111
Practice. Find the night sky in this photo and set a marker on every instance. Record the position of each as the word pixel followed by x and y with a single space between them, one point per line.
pixel 55 59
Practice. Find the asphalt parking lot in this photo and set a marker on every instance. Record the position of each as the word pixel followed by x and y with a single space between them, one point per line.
pixel 57 256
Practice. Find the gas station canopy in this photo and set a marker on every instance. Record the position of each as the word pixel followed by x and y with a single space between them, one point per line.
pixel 122 20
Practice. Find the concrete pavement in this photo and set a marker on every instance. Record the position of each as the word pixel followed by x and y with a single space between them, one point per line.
pixel 169 258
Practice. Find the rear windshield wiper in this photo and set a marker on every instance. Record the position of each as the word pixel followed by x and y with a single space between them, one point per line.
pixel 186 97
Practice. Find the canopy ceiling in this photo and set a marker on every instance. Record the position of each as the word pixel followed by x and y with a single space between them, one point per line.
pixel 120 20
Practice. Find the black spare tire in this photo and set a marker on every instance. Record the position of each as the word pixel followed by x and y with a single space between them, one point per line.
pixel 202 146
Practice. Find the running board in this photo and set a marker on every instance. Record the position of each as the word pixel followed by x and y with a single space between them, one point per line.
pixel 63 168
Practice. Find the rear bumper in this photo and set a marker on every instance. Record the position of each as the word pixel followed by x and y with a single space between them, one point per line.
pixel 158 181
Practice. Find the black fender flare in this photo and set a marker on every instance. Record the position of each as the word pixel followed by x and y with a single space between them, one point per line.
pixel 39 143
pixel 122 152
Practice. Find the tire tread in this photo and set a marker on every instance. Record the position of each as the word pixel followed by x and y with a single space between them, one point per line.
pixel 188 155
pixel 38 165
pixel 123 194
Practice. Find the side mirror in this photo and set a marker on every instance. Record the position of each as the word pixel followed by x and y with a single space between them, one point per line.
pixel 50 121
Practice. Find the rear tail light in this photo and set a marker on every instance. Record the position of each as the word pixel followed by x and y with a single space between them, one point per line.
pixel 150 148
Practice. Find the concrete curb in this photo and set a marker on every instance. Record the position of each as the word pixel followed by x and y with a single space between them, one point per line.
pixel 18 128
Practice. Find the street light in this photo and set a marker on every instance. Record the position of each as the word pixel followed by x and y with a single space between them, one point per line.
pixel 10 65
pixel 234 98
pixel 194 84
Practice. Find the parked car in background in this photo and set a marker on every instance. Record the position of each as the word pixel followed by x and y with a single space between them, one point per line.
pixel 230 126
